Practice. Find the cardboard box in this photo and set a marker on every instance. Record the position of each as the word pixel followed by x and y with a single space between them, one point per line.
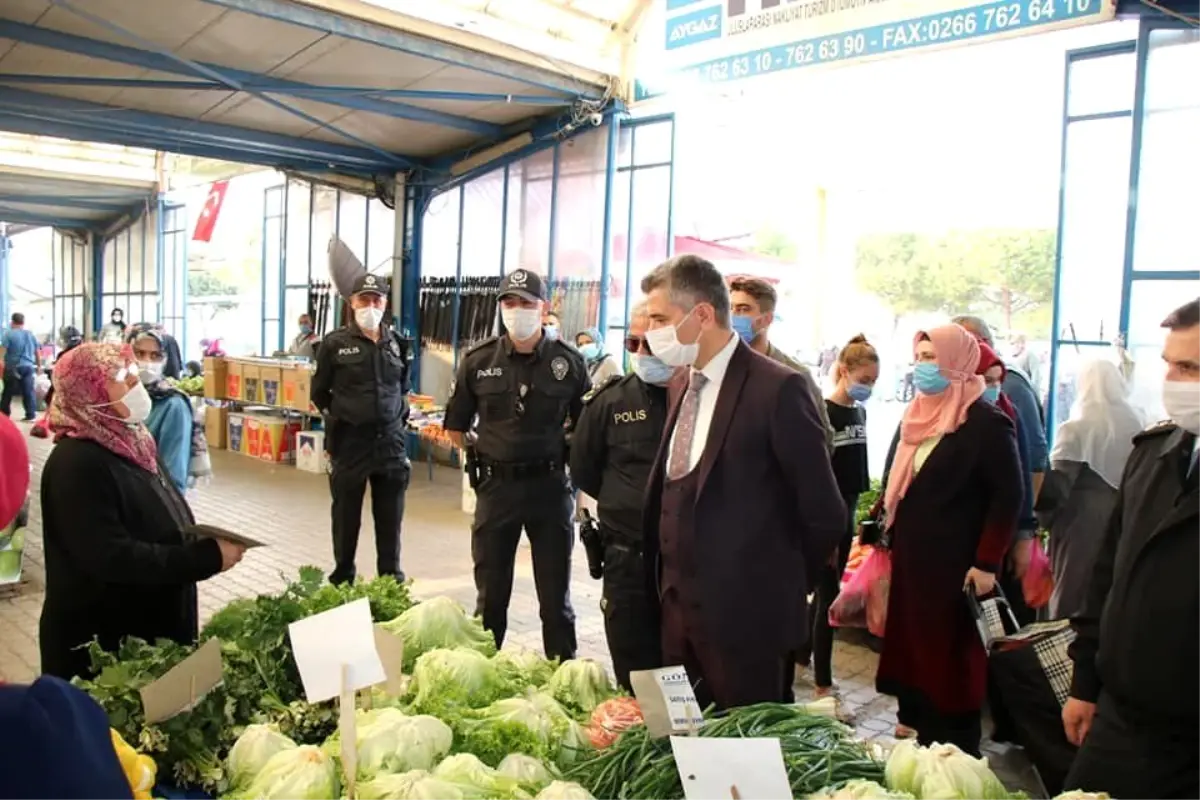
pixel 271 438
pixel 216 374
pixel 310 452
pixel 301 401
pixel 269 385
pixel 233 380
pixel 289 389
pixel 251 383
pixel 236 440
pixel 216 424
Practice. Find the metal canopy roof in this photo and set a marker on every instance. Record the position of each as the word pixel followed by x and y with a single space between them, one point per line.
pixel 39 197
pixel 317 86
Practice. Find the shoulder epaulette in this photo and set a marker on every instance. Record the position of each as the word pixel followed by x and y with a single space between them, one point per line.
pixel 1157 429
pixel 484 343
pixel 595 391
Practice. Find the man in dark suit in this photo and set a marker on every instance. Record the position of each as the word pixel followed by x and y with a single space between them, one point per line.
pixel 742 508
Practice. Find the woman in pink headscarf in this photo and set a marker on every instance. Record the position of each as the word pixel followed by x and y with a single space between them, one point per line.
pixel 122 554
pixel 950 505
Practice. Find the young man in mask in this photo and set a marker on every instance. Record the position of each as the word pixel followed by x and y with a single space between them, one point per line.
pixel 511 406
pixel 612 452
pixel 753 303
pixel 361 387
pixel 1133 706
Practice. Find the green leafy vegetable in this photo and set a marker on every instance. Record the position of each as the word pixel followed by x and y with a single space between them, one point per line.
pixel 252 750
pixel 443 680
pixel 390 741
pixel 859 790
pixel 528 770
pixel 534 724
pixel 564 790
pixel 415 784
pixel 439 623
pixel 524 669
pixel 477 780
pixel 580 684
pixel 300 773
pixel 941 771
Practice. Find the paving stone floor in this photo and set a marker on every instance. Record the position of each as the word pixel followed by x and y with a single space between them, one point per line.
pixel 289 510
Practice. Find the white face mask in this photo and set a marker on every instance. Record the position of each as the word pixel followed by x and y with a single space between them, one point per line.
pixel 521 323
pixel 137 401
pixel 664 343
pixel 150 371
pixel 368 318
pixel 1181 399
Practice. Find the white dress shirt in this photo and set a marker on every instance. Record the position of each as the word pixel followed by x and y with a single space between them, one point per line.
pixel 715 371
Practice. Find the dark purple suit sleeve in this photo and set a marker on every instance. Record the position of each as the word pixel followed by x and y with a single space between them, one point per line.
pixel 798 439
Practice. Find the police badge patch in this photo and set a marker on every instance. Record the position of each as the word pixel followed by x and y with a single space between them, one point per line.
pixel 394 347
pixel 560 368
pixel 453 386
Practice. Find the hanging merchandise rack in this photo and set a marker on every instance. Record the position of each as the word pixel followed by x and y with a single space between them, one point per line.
pixel 577 304
pixel 319 294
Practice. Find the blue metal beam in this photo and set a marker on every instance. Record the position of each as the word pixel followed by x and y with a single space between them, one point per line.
pixel 217 74
pixel 329 22
pixel 226 78
pixel 103 204
pixel 267 84
pixel 34 113
pixel 22 217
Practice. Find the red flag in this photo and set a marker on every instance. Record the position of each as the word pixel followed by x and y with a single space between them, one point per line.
pixel 212 208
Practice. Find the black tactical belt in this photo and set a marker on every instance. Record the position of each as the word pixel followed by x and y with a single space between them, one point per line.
pixel 514 471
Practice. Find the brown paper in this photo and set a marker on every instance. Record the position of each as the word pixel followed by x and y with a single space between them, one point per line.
pixel 185 684
pixel 391 652
pixel 348 732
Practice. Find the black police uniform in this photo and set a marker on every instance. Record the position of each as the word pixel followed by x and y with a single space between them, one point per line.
pixel 519 459
pixel 612 451
pixel 362 388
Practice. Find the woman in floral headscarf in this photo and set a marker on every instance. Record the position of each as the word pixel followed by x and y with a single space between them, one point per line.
pixel 950 509
pixel 122 555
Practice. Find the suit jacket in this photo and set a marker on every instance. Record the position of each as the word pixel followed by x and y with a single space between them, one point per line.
pixel 768 511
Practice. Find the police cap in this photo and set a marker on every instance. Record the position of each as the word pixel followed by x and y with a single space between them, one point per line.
pixel 524 284
pixel 371 284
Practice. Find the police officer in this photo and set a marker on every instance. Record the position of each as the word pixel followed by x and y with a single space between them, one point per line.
pixel 361 387
pixel 523 386
pixel 612 452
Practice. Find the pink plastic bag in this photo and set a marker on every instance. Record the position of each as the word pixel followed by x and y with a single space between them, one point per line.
pixel 862 603
pixel 1038 582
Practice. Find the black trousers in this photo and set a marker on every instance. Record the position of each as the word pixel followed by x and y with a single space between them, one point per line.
pixel 1127 760
pixel 819 649
pixel 630 616
pixel 933 726
pixel 542 506
pixel 1003 724
pixel 347 486
pixel 19 381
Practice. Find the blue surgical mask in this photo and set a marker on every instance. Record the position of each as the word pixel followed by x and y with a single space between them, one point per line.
pixel 550 331
pixel 306 329
pixel 745 328
pixel 859 392
pixel 590 350
pixel 991 394
pixel 928 379
pixel 651 369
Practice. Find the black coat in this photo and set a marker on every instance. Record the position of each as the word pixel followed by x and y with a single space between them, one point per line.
pixel 118 560
pixel 1136 637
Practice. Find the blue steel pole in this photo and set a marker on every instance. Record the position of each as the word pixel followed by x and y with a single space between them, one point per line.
pixel 98 246
pixel 337 231
pixel 182 237
pixel 553 214
pixel 629 245
pixel 367 233
pixel 1135 171
pixel 5 283
pixel 1055 308
pixel 504 221
pixel 262 302
pixel 160 255
pixel 457 305
pixel 610 171
pixel 285 208
pixel 411 290
pixel 671 195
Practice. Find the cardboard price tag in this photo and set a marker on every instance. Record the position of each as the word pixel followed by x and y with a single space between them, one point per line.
pixel 667 700
pixel 335 651
pixel 185 684
pixel 734 768
pixel 391 654
pixel 348 731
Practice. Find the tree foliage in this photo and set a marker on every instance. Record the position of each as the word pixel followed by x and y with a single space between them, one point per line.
pixel 997 273
pixel 771 242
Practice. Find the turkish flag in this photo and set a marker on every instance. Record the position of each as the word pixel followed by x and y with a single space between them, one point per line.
pixel 212 208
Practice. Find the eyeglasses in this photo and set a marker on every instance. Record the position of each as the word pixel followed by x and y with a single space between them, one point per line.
pixel 636 344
